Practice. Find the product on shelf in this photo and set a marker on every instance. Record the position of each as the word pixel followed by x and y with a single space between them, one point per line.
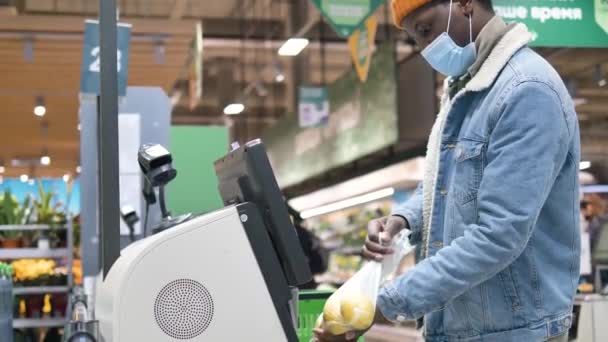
pixel 27 270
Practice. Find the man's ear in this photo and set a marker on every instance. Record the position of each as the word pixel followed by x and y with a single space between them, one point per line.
pixel 466 6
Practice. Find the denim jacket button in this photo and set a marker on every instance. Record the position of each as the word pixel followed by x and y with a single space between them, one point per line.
pixel 437 244
pixel 443 192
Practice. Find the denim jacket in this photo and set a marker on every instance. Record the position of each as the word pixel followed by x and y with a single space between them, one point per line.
pixel 497 215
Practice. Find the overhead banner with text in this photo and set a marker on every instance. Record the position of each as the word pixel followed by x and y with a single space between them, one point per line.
pixel 362 120
pixel 345 16
pixel 361 45
pixel 560 23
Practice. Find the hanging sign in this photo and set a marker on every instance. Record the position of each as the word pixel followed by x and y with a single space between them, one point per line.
pixel 564 23
pixel 89 70
pixel 313 106
pixel 345 16
pixel 361 44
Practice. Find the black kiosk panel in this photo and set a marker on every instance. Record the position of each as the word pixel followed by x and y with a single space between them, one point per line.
pixel 245 175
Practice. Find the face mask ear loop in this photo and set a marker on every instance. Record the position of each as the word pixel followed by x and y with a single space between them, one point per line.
pixel 471 27
pixel 450 16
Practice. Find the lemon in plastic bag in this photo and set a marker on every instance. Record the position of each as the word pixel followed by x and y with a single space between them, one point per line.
pixel 332 317
pixel 357 310
pixel 353 306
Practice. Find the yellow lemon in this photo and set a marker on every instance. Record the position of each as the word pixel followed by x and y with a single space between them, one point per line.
pixel 357 310
pixel 319 322
pixel 336 328
pixel 331 311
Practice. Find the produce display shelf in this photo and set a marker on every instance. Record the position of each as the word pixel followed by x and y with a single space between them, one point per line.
pixel 22 323
pixel 25 290
pixel 33 253
pixel 30 227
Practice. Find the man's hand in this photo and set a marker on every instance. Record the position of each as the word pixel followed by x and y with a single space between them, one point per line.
pixel 324 336
pixel 387 228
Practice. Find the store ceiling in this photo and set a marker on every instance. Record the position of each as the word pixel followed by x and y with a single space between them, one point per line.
pixel 40 56
pixel 240 35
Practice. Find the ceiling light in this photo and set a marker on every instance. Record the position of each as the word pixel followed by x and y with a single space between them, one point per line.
pixel 78 169
pixel 39 108
pixel 279 75
pixel 234 108
pixel 599 77
pixel 347 203
pixel 45 160
pixel 66 177
pixel 584 165
pixel 24 178
pixel 2 169
pixel 293 47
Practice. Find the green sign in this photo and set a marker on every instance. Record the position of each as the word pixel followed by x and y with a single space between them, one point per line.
pixel 560 23
pixel 90 68
pixel 362 120
pixel 313 106
pixel 196 167
pixel 345 16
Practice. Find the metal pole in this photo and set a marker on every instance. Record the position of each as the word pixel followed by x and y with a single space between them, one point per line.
pixel 108 210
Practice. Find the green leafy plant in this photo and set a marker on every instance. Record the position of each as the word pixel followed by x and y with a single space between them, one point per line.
pixel 45 212
pixel 12 213
pixel 50 214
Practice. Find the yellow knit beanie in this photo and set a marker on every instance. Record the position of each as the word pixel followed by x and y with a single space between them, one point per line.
pixel 401 8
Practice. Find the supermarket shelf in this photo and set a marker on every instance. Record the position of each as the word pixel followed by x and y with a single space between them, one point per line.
pixel 39 289
pixel 21 323
pixel 33 253
pixel 29 227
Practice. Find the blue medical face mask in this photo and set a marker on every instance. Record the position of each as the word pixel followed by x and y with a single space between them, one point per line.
pixel 445 56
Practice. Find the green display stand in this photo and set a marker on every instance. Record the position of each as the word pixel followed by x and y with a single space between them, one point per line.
pixel 310 307
pixel 194 150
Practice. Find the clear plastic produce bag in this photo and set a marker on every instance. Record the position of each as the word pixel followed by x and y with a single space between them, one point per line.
pixel 352 307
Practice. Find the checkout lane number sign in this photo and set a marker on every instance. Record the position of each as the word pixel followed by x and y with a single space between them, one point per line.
pixel 89 71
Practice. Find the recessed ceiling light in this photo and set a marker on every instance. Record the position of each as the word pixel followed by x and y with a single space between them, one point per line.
pixel 293 46
pixel 39 107
pixel 234 109
pixel 45 160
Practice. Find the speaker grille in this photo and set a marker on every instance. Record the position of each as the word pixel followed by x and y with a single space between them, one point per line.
pixel 183 309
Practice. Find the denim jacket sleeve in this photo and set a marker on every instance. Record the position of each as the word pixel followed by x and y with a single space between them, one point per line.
pixel 526 149
pixel 411 211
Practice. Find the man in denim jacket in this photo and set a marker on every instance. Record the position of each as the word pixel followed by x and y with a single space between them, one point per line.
pixel 496 217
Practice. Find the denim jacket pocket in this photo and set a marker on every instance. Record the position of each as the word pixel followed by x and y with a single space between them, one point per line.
pixel 468 170
pixel 509 287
